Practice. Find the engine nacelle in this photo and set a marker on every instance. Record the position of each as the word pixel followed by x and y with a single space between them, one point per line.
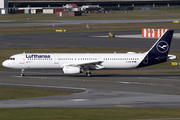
pixel 71 70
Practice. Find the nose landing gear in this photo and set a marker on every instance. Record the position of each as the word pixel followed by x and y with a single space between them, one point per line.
pixel 88 74
pixel 22 72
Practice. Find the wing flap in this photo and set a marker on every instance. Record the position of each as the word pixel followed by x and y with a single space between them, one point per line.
pixel 87 65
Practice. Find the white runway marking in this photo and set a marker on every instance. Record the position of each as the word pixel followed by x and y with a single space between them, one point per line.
pixel 18 76
pixel 175 35
pixel 138 83
pixel 42 86
pixel 78 100
pixel 125 82
pixel 123 36
pixel 174 79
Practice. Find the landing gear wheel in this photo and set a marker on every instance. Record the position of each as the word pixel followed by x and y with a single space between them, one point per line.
pixel 22 74
pixel 88 74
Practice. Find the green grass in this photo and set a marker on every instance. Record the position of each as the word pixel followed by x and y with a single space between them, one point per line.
pixel 88 113
pixel 16 93
pixel 82 28
pixel 84 113
pixel 154 14
pixel 132 15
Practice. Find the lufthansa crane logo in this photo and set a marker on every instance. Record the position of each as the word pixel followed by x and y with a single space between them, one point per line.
pixel 162 46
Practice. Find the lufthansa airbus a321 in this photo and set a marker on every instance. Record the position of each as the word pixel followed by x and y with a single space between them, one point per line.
pixel 74 63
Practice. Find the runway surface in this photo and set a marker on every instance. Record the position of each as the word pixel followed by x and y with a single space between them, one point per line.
pixel 76 22
pixel 124 39
pixel 101 90
pixel 110 90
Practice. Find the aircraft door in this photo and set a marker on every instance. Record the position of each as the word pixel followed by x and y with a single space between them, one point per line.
pixel 56 59
pixel 22 58
pixel 99 58
pixel 145 61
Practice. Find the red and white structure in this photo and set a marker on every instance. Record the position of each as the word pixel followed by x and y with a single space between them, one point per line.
pixel 153 32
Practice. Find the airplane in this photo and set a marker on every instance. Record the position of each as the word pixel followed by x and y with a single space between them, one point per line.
pixel 74 63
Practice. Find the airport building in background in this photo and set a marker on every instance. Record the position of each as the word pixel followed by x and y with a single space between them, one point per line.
pixel 4 6
pixel 38 6
pixel 119 3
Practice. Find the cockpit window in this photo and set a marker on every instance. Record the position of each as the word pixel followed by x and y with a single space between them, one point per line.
pixel 11 58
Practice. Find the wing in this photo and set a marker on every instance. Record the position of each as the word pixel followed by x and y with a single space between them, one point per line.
pixel 88 65
pixel 92 65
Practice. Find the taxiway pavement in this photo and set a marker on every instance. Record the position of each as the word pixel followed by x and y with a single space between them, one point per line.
pixel 124 39
pixel 76 22
pixel 108 90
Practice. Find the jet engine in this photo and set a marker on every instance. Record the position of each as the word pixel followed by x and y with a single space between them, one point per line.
pixel 72 70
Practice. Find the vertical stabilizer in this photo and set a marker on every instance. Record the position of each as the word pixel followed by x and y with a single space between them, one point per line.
pixel 158 53
pixel 163 44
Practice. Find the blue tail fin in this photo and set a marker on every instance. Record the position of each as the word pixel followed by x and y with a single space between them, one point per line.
pixel 162 46
pixel 159 51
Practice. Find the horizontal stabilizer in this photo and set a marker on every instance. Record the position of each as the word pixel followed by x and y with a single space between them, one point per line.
pixel 171 57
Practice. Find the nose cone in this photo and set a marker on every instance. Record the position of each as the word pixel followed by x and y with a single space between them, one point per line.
pixel 5 64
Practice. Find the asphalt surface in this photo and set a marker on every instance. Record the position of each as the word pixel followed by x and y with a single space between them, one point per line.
pixel 109 90
pixel 76 22
pixel 101 90
pixel 86 39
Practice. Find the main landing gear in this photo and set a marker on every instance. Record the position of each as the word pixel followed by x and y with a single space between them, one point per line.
pixel 88 74
pixel 22 72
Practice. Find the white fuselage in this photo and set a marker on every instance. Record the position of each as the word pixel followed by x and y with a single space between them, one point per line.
pixel 57 61
pixel 74 63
